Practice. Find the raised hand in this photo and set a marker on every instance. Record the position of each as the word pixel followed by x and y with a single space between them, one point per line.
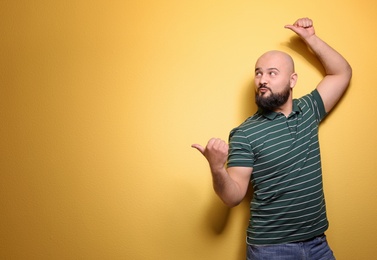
pixel 303 27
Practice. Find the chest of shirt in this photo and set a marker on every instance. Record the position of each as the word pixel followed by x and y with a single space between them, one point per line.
pixel 283 142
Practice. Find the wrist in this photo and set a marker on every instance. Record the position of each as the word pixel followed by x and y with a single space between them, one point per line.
pixel 311 39
pixel 217 169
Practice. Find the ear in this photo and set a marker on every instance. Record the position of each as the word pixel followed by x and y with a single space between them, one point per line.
pixel 293 80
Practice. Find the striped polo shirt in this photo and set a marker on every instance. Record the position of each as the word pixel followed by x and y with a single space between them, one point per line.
pixel 288 204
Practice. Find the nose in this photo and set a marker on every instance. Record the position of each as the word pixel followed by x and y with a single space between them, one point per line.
pixel 261 80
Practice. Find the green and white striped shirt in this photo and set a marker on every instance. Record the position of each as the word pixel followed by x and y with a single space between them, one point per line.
pixel 288 203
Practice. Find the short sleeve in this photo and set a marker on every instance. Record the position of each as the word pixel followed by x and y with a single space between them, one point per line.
pixel 240 151
pixel 318 104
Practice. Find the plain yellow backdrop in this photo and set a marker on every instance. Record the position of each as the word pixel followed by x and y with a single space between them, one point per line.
pixel 101 100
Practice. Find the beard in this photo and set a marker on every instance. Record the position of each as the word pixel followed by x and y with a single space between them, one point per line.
pixel 274 100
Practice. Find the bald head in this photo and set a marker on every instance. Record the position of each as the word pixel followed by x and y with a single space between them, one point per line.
pixel 276 59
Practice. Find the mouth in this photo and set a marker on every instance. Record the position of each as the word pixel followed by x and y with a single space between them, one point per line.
pixel 263 89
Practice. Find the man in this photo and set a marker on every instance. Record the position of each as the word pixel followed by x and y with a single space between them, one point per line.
pixel 277 151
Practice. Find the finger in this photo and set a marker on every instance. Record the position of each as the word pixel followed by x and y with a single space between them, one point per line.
pixel 291 27
pixel 225 148
pixel 304 23
pixel 218 143
pixel 198 147
pixel 308 23
pixel 297 28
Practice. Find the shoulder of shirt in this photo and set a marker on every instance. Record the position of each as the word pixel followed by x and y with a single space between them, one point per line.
pixel 251 122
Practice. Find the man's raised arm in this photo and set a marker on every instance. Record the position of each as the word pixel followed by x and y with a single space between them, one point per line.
pixel 338 71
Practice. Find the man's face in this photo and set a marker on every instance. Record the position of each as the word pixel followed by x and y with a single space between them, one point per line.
pixel 272 100
pixel 273 80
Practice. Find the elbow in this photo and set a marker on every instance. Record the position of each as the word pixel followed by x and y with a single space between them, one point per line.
pixel 345 76
pixel 230 200
pixel 348 72
pixel 231 203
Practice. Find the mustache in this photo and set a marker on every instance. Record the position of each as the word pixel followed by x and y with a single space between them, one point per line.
pixel 264 86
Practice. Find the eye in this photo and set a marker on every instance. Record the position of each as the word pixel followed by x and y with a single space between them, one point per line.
pixel 258 73
pixel 273 73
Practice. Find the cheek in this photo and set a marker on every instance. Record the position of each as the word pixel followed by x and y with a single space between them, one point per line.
pixel 282 84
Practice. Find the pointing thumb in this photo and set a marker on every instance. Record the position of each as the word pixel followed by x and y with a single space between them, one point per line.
pixel 198 147
pixel 291 27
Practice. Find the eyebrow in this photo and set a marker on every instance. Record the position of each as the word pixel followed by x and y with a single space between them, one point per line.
pixel 269 69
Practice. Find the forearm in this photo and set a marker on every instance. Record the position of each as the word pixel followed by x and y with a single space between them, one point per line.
pixel 338 71
pixel 332 61
pixel 226 188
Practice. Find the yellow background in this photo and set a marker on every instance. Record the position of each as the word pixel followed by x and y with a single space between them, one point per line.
pixel 101 100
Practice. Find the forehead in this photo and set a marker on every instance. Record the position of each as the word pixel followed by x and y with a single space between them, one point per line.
pixel 275 59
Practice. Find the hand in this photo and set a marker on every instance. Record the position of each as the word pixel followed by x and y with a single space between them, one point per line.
pixel 216 152
pixel 303 27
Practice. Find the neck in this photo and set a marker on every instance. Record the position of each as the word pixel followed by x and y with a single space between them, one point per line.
pixel 285 109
